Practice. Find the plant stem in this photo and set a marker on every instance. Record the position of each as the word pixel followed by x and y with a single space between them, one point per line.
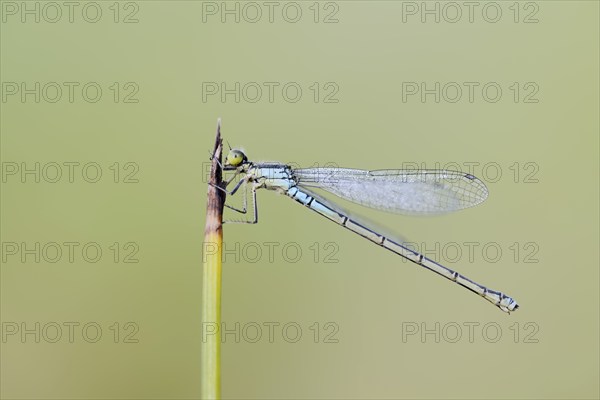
pixel 210 368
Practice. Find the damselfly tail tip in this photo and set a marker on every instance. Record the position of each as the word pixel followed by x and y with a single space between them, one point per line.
pixel 508 304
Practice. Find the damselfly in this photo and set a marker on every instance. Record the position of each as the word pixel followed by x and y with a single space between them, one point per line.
pixel 417 192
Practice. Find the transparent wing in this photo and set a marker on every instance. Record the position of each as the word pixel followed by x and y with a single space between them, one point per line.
pixel 413 192
pixel 364 221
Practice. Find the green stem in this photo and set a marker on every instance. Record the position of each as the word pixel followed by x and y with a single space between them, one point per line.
pixel 210 367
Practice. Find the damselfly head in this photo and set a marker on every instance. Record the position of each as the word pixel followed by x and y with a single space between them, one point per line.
pixel 235 158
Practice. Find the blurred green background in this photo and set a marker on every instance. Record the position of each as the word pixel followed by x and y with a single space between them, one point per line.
pixel 372 325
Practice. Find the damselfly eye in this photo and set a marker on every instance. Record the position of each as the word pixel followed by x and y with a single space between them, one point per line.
pixel 235 158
